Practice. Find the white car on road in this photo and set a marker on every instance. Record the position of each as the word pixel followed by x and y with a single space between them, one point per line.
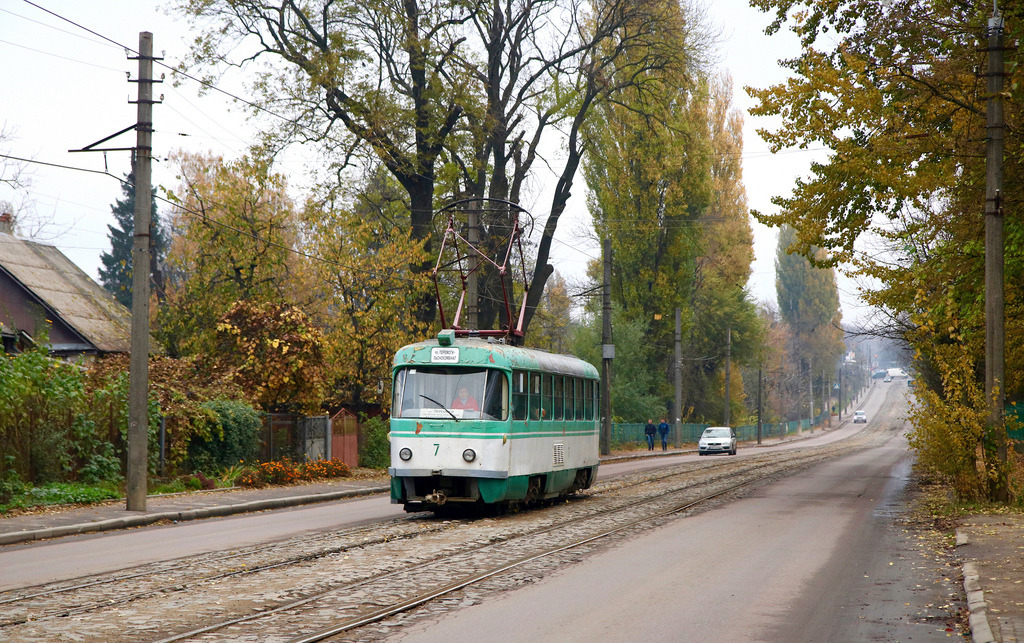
pixel 860 417
pixel 717 439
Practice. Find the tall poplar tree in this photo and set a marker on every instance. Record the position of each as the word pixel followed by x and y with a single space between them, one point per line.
pixel 666 189
pixel 809 304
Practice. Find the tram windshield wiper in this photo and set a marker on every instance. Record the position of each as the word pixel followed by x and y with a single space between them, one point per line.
pixel 426 397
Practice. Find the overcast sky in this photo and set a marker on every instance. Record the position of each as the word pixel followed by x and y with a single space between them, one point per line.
pixel 66 88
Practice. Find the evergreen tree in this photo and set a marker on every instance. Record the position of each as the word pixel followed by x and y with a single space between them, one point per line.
pixel 116 272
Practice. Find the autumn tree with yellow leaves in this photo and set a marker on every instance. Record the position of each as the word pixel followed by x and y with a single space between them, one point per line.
pixel 892 89
pixel 233 232
pixel 361 287
pixel 275 354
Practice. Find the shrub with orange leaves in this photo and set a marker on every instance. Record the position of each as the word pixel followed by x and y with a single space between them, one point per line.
pixel 287 472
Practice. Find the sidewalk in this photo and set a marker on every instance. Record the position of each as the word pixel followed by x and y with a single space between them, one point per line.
pixel 55 522
pixel 992 550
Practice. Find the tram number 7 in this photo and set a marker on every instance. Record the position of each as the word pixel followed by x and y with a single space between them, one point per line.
pixel 437 448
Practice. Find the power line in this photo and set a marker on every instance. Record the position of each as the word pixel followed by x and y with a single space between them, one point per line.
pixel 43 24
pixel 58 165
pixel 183 74
pixel 212 221
pixel 46 53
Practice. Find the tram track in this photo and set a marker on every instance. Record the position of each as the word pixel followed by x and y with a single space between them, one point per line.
pixel 416 601
pixel 196 569
pixel 390 563
pixel 188 568
pixel 759 472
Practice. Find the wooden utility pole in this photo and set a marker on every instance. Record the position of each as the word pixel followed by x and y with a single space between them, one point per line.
pixel 995 358
pixel 607 352
pixel 138 368
pixel 473 263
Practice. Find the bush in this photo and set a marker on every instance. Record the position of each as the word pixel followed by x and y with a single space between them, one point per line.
pixel 39 401
pixel 376 451
pixel 949 429
pixel 287 472
pixel 324 469
pixel 250 478
pixel 232 437
pixel 10 482
pixel 57 493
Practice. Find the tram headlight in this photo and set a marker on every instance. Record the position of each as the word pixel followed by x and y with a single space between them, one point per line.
pixel 469 455
pixel 405 454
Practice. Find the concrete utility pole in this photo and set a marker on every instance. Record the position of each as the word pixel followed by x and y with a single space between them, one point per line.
pixel 728 361
pixel 810 393
pixel 607 352
pixel 677 368
pixel 138 375
pixel 826 396
pixel 760 382
pixel 842 366
pixel 995 358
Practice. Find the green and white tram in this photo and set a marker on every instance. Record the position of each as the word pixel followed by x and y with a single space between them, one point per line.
pixel 478 422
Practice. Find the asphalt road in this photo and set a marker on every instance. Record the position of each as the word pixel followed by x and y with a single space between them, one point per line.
pixel 816 556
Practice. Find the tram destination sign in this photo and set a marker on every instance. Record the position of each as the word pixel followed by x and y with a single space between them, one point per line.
pixel 444 355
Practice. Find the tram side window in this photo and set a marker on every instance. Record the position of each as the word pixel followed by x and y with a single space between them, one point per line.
pixel 559 397
pixel 570 401
pixel 545 405
pixel 496 396
pixel 581 413
pixel 535 396
pixel 589 399
pixel 520 395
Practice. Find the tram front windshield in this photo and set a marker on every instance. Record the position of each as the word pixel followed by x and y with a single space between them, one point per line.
pixel 450 392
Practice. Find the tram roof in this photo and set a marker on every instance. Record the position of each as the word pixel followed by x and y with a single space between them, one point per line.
pixel 479 352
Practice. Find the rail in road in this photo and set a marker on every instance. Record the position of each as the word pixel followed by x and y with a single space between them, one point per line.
pixel 372 577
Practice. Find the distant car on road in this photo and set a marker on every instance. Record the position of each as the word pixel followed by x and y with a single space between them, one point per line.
pixel 887 379
pixel 860 417
pixel 717 439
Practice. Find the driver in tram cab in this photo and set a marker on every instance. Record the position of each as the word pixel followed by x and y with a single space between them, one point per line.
pixel 464 401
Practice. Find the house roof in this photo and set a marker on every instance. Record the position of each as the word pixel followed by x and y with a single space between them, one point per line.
pixel 68 292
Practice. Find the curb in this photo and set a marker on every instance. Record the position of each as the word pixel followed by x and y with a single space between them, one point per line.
pixel 183 515
pixel 977 608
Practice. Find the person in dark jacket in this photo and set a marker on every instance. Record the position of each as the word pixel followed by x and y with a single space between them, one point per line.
pixel 663 432
pixel 649 431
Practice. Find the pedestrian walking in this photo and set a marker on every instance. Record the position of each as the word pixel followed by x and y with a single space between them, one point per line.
pixel 649 431
pixel 663 432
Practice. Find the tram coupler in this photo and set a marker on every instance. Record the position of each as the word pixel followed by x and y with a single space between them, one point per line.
pixel 437 498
